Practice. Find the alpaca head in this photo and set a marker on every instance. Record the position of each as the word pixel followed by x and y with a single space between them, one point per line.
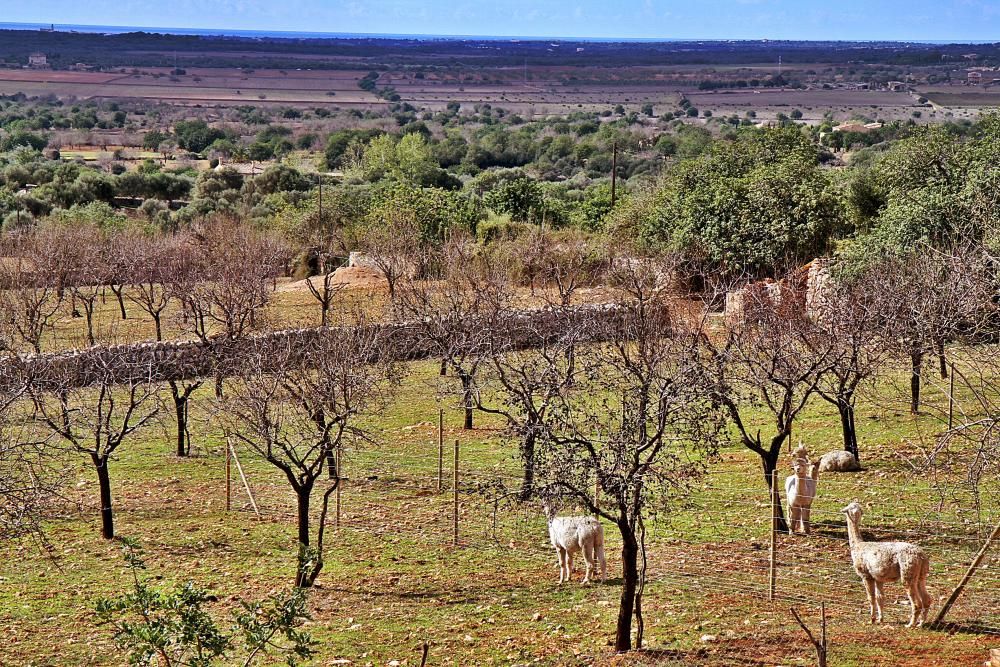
pixel 853 511
pixel 550 510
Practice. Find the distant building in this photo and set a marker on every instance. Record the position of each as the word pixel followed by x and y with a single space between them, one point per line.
pixel 38 61
pixel 974 78
pixel 896 85
pixel 82 67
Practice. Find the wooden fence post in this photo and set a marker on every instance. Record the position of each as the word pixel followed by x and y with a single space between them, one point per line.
pixel 968 575
pixel 246 484
pixel 229 477
pixel 440 449
pixel 340 484
pixel 951 396
pixel 455 527
pixel 772 574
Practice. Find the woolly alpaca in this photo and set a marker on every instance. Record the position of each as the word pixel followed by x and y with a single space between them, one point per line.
pixel 800 489
pixel 880 562
pixel 571 534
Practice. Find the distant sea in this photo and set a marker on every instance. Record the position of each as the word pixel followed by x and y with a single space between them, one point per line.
pixel 277 34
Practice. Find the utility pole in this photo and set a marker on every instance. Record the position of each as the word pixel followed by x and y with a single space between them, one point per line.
pixel 614 171
pixel 319 181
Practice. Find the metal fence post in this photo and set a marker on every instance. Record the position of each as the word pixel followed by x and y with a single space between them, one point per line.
pixel 951 397
pixel 340 484
pixel 455 527
pixel 440 450
pixel 772 575
pixel 229 477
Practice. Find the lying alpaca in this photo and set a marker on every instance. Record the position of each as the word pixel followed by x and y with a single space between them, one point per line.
pixel 800 489
pixel 880 562
pixel 571 534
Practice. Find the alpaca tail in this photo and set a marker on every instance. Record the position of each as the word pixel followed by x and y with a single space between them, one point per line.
pixel 599 552
pixel 925 569
pixel 599 558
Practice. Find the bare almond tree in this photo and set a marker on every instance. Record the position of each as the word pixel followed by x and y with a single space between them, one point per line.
pixel 570 261
pixel 226 281
pixel 150 264
pixel 848 323
pixel 158 266
pixel 455 317
pixel 119 257
pixel 768 357
pixel 30 294
pixel 295 410
pixel 393 246
pixel 230 279
pixel 628 414
pixel 27 480
pixel 931 297
pixel 86 272
pixel 95 421
pixel 326 256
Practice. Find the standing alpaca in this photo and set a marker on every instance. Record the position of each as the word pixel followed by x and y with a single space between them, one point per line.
pixel 571 534
pixel 800 489
pixel 880 562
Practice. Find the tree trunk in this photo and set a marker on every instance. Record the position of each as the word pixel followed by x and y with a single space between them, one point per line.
pixel 467 400
pixel 88 308
pixel 181 410
pixel 942 360
pixel 528 458
pixel 119 290
pixel 444 368
pixel 159 326
pixel 848 427
pixel 104 480
pixel 630 582
pixel 770 463
pixel 916 363
pixel 302 577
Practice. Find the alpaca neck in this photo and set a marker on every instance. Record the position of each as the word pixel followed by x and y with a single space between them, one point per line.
pixel 853 533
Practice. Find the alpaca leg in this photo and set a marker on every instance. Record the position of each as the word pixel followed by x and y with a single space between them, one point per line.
pixel 805 520
pixel 588 558
pixel 879 599
pixel 870 588
pixel 916 601
pixel 794 519
pixel 569 565
pixel 562 564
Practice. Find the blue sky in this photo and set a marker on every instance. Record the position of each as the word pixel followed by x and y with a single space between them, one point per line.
pixel 958 20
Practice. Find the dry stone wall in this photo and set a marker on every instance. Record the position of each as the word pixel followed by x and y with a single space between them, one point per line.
pixel 185 360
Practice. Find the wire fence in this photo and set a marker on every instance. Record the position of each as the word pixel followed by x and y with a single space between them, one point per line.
pixel 714 543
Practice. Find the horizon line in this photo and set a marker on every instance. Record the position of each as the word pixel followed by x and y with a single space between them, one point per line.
pixel 305 34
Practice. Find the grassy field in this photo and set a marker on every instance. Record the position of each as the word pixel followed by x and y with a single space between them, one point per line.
pixel 394 579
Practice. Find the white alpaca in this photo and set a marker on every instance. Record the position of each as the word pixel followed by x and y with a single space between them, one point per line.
pixel 571 534
pixel 800 489
pixel 880 562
